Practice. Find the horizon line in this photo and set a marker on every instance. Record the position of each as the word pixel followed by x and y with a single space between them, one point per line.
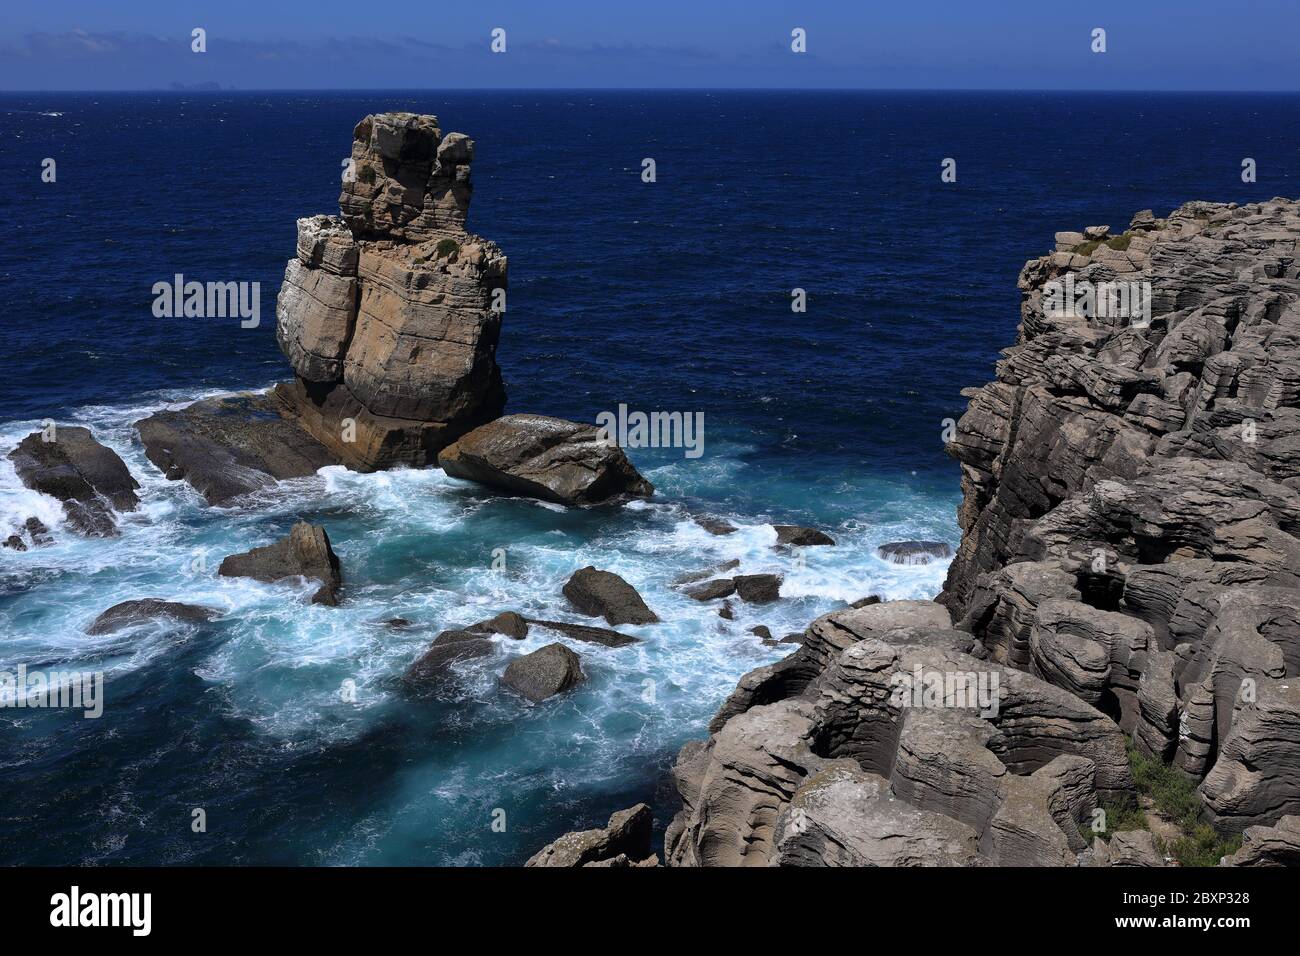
pixel 201 89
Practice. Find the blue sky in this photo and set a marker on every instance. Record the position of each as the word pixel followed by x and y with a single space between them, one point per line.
pixel 914 44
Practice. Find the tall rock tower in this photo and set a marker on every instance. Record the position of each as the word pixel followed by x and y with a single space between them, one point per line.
pixel 387 312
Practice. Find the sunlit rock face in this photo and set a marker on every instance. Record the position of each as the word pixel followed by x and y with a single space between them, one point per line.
pixel 390 313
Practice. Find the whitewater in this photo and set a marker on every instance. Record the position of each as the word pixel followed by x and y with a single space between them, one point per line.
pixel 436 553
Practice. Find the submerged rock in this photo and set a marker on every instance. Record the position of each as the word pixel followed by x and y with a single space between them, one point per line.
pixel 37 533
pixel 304 552
pixel 801 537
pixel 626 836
pixel 605 594
pixel 89 478
pixel 545 672
pixel 229 446
pixel 547 458
pixel 147 609
pixel 712 590
pixel 914 552
pixel 450 647
pixel 715 525
pixel 694 577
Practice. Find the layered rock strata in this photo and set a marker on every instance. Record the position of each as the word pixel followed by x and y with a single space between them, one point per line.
pixel 390 313
pixel 1131 482
pixel 1128 566
pixel 882 742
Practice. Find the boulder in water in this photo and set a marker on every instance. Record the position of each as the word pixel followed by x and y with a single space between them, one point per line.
pixel 715 525
pixel 793 534
pixel 758 588
pixel 449 647
pixel 605 594
pixel 304 552
pixel 147 609
pixel 89 478
pixel 546 458
pixel 507 622
pixel 914 552
pixel 545 672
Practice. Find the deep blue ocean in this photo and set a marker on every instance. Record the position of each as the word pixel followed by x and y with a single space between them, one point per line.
pixel 672 295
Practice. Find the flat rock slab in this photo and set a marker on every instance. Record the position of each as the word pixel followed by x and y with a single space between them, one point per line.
pixel 583 632
pixel 229 446
pixel 547 458
pixel 138 611
pixel 304 552
pixel 89 478
pixel 712 590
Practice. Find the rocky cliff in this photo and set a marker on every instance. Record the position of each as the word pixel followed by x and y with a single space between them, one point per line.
pixel 390 313
pixel 1132 497
pixel 1129 566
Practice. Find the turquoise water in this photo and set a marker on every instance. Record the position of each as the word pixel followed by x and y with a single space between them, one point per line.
pixel 251 705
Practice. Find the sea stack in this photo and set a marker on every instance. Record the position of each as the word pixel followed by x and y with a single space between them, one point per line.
pixel 390 313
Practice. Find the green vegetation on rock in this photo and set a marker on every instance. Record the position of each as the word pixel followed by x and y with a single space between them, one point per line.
pixel 1173 796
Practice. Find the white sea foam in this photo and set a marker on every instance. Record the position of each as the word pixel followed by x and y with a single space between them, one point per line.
pixel 420 545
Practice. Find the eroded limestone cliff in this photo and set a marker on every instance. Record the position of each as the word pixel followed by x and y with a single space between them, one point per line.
pixel 1129 566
